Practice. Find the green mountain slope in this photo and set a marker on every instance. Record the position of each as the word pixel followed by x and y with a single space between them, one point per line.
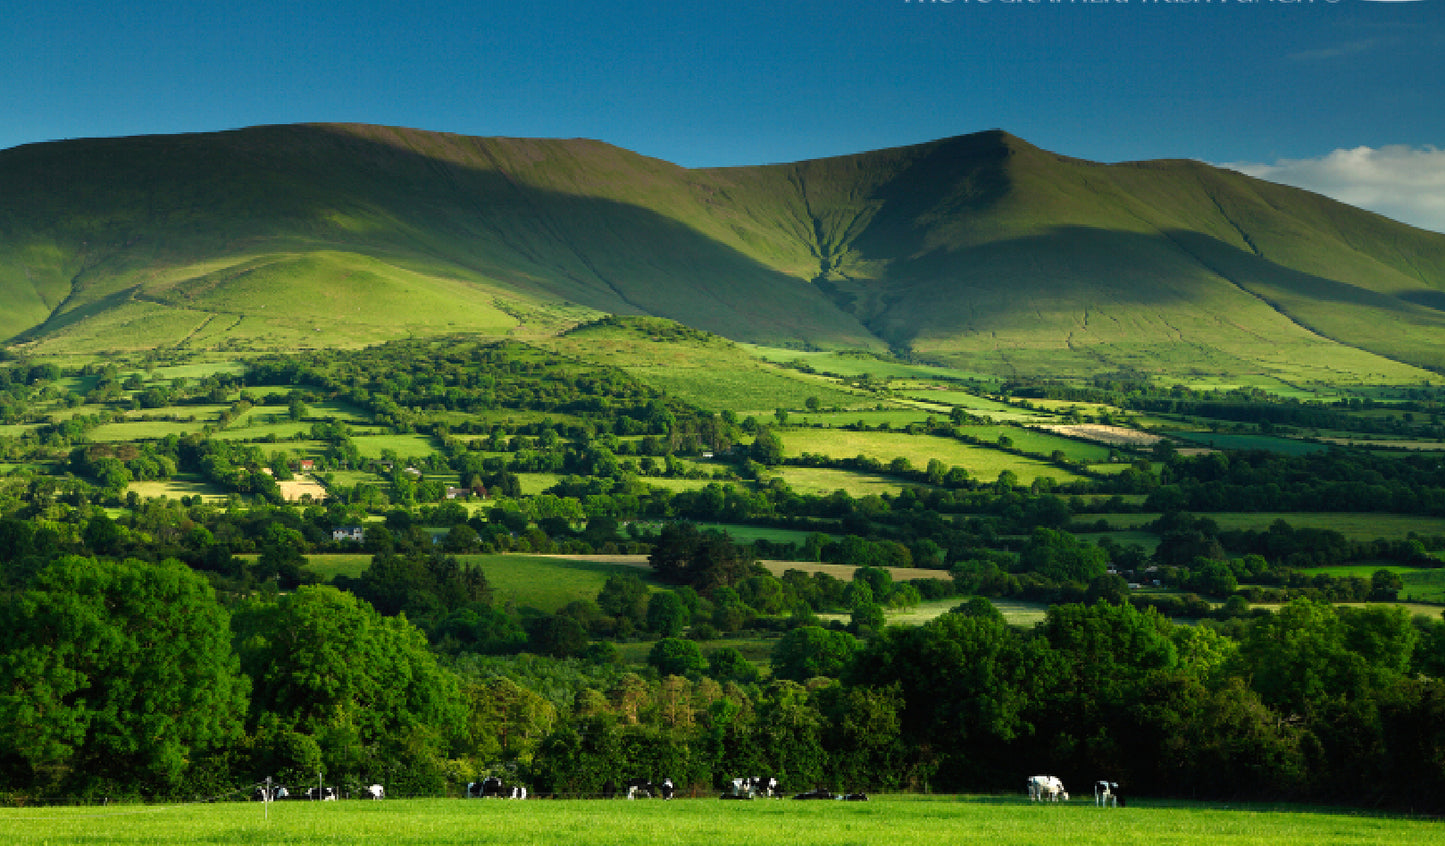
pixel 980 251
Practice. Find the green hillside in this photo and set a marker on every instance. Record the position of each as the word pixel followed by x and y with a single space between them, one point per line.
pixel 979 252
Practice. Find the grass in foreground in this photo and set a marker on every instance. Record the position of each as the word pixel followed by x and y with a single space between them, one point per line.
pixel 898 821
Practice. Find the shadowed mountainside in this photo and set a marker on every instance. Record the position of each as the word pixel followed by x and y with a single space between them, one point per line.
pixel 979 251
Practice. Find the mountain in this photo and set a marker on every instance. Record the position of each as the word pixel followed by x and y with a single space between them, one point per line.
pixel 980 251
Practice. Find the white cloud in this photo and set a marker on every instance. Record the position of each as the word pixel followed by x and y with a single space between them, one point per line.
pixel 1404 183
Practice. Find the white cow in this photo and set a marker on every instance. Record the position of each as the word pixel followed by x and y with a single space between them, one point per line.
pixel 374 791
pixel 1104 792
pixel 1046 788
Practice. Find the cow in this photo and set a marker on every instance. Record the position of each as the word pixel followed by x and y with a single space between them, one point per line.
pixel 640 788
pixel 754 785
pixel 488 788
pixel 667 789
pixel 321 794
pixel 854 797
pixel 277 793
pixel 1046 788
pixel 816 793
pixel 609 790
pixel 1106 791
pixel 373 791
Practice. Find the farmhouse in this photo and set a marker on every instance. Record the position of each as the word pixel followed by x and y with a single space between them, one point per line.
pixel 348 533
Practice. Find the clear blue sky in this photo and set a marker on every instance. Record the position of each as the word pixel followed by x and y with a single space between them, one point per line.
pixel 744 82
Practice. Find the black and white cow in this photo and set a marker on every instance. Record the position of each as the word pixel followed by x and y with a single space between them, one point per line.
pixel 1046 788
pixel 492 787
pixel 816 793
pixel 757 786
pixel 1107 791
pixel 667 789
pixel 373 791
pixel 321 794
pixel 277 793
pixel 640 788
pixel 854 797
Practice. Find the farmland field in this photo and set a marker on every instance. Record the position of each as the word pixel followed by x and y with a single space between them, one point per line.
pixel 825 480
pixel 543 582
pixel 1356 526
pixel 182 484
pixel 981 462
pixel 405 446
pixel 1040 443
pixel 1220 440
pixel 897 820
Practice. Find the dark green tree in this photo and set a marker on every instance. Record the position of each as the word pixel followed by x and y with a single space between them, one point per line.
pixel 115 677
pixel 675 656
pixel 809 651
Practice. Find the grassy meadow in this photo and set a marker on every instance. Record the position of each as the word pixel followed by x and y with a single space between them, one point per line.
pixel 896 820
pixel 981 462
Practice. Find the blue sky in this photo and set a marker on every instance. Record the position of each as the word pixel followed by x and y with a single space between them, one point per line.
pixel 1325 94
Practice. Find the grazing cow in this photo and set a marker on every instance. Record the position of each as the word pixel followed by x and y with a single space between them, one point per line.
pixel 667 789
pixel 321 794
pixel 1106 791
pixel 373 791
pixel 488 788
pixel 639 788
pixel 754 785
pixel 1045 788
pixel 816 793
pixel 278 792
pixel 854 797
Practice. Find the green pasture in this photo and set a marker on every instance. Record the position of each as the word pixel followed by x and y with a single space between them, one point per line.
pixel 199 369
pixel 714 374
pixel 854 364
pixel 892 415
pixel 748 534
pixel 1008 820
pixel 405 446
pixel 1353 525
pixel 671 483
pixel 981 462
pixel 825 480
pixel 182 484
pixel 1040 443
pixel 528 581
pixel 1361 571
pixel 329 566
pixel 1021 614
pixel 534 483
pixel 1420 584
pixel 547 583
pixel 143 430
pixel 1424 586
pixel 1222 440
pixel 970 402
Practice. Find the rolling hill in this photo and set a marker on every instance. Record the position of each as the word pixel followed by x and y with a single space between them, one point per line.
pixel 980 251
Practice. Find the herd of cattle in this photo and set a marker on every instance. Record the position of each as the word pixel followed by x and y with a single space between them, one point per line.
pixel 1041 788
pixel 315 794
pixel 1045 788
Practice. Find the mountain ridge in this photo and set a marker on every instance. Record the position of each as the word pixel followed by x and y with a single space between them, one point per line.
pixel 979 250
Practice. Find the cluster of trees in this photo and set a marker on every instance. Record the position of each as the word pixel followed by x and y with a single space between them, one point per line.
pixel 130 677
